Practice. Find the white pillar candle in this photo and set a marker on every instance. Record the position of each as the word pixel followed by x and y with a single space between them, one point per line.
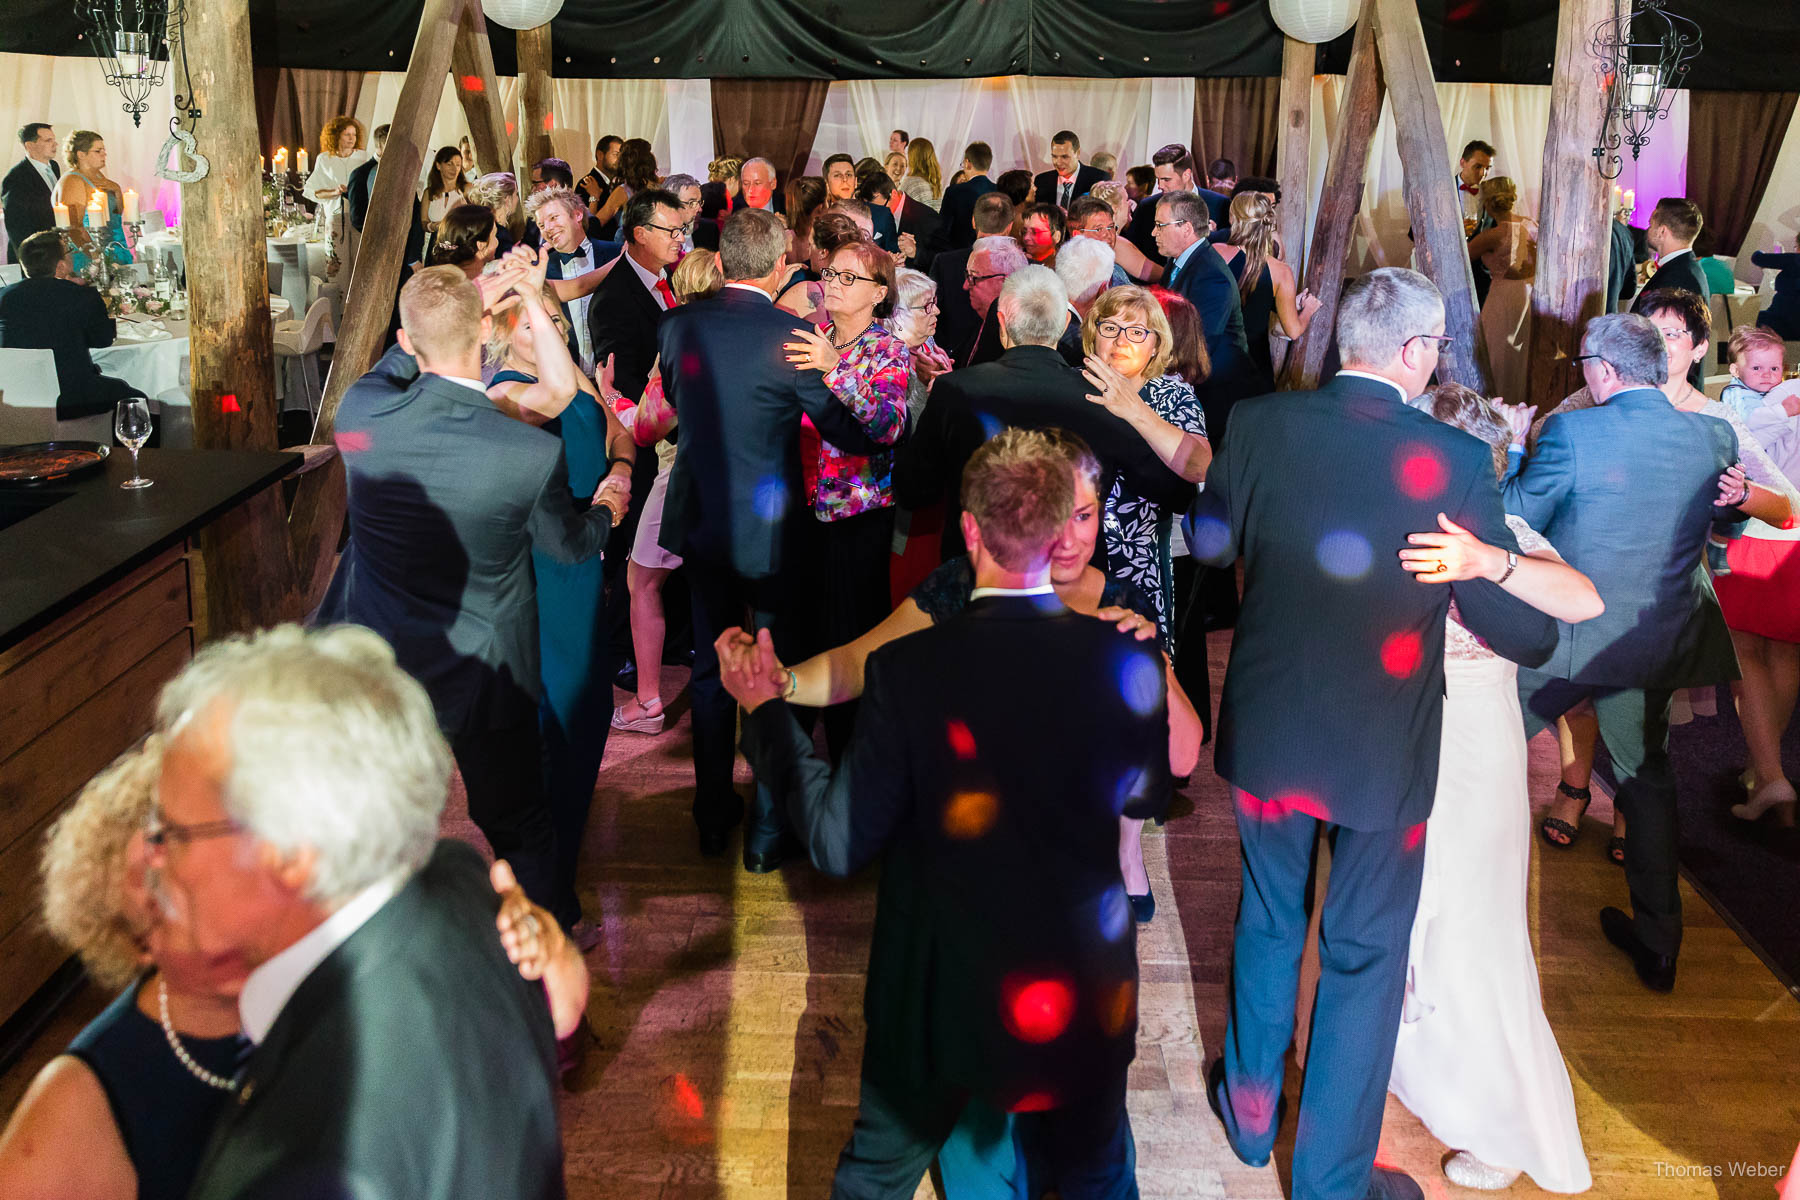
pixel 62 214
pixel 300 161
pixel 131 206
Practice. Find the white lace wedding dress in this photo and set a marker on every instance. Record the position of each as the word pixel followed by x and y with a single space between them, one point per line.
pixel 1475 1059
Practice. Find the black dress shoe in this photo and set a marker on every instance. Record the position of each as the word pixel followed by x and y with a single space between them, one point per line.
pixel 1215 1086
pixel 714 841
pixel 761 862
pixel 1656 970
pixel 626 679
pixel 1385 1183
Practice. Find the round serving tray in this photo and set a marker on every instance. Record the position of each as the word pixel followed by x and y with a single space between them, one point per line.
pixel 43 462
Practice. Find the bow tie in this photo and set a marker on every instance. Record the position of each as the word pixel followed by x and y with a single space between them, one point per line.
pixel 560 258
pixel 1469 188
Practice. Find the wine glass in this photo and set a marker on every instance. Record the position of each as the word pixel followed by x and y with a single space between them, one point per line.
pixel 132 424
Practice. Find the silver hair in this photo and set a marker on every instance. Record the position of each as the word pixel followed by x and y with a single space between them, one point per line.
pixel 765 162
pixel 1034 308
pixel 1383 310
pixel 1632 344
pixel 1001 253
pixel 1085 266
pixel 912 291
pixel 675 183
pixel 751 242
pixel 332 746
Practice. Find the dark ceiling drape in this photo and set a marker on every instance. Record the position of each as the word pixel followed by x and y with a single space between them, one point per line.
pixel 1733 141
pixel 775 119
pixel 1237 119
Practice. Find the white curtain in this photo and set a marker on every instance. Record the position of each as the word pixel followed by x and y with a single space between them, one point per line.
pixel 1015 115
pixel 71 94
pixel 674 116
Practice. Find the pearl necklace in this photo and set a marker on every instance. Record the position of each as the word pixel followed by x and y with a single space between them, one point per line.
pixel 174 1039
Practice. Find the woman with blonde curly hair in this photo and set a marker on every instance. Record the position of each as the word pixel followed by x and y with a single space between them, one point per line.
pixel 126 1112
pixel 343 147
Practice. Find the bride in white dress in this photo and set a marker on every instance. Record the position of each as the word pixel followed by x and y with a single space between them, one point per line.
pixel 1475 1058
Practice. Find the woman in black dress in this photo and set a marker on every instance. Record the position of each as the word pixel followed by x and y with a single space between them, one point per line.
pixel 1265 283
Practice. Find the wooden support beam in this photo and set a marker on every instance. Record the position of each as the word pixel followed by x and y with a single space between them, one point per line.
pixel 1293 149
pixel 1339 203
pixel 1441 246
pixel 472 62
pixel 534 111
pixel 1573 230
pixel 245 558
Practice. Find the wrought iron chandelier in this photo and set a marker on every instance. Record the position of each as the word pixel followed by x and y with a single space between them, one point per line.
pixel 131 40
pixel 1644 52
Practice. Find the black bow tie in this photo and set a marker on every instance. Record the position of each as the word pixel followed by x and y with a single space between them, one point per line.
pixel 560 258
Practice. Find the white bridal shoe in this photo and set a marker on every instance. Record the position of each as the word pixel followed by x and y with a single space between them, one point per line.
pixel 1465 1170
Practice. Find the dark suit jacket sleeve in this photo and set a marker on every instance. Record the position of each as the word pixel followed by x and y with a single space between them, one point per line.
pixel 558 529
pixel 834 422
pixel 921 464
pixel 358 200
pixel 97 328
pixel 1511 627
pixel 886 236
pixel 1543 484
pixel 845 816
pixel 1214 525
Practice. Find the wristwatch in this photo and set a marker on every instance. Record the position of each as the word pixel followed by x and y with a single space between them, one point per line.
pixel 1512 564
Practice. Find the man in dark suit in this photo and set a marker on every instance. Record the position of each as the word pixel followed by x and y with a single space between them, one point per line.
pixel 448 497
pixel 1643 465
pixel 393 1050
pixel 957 232
pixel 1621 267
pixel 1304 760
pixel 362 180
pixel 565 223
pixel 991 262
pixel 598 183
pixel 758 186
pixel 1003 965
pixel 1174 168
pixel 1068 178
pixel 735 493
pixel 1029 387
pixel 1197 272
pixel 957 319
pixel 840 186
pixel 50 310
pixel 1084 266
pixel 28 193
pixel 911 219
pixel 1674 224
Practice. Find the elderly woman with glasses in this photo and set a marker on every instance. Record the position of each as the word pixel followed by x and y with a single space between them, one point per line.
pixel 126 1112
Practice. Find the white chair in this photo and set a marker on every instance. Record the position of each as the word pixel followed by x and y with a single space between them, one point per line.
pixel 28 392
pixel 296 285
pixel 297 343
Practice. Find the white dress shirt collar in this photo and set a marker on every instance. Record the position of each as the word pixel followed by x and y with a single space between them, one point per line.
pixel 1398 390
pixel 1671 256
pixel 269 987
pixel 48 172
pixel 982 593
pixel 468 383
pixel 650 278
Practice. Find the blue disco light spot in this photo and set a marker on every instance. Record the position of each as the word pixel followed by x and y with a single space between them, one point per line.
pixel 991 426
pixel 1131 789
pixel 770 498
pixel 1345 555
pixel 1207 536
pixel 1140 682
pixel 1115 913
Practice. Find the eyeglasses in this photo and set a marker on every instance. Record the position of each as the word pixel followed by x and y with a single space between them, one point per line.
pixel 160 832
pixel 972 280
pixel 1581 358
pixel 847 278
pixel 1097 231
pixel 1166 224
pixel 1138 334
pixel 1442 342
pixel 680 232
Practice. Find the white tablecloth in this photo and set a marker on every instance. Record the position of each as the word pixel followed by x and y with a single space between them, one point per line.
pixel 165 246
pixel 317 255
pixel 154 366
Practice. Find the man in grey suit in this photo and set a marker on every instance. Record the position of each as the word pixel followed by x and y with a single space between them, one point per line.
pixel 448 497
pixel 1626 493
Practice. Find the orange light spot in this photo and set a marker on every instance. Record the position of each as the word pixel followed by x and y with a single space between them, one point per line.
pixel 473 83
pixel 970 814
pixel 1119 1009
pixel 1401 654
pixel 687 1099
pixel 1036 1010
pixel 511 129
pixel 962 742
pixel 549 122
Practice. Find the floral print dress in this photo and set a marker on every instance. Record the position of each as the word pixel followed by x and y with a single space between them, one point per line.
pixel 1137 531
pixel 870 380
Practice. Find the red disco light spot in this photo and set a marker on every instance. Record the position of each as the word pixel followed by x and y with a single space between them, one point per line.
pixel 549 122
pixel 1036 1010
pixel 351 441
pixel 1304 802
pixel 962 742
pixel 1421 473
pixel 1401 654
pixel 1415 836
pixel 473 83
pixel 1034 1102
pixel 229 403
pixel 511 129
pixel 687 1099
pixel 1221 7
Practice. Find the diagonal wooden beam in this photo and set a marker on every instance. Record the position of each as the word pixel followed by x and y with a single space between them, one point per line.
pixel 1439 242
pixel 1339 203
pixel 1573 230
pixel 472 62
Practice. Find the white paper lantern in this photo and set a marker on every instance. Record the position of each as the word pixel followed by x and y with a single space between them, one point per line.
pixel 1310 20
pixel 521 14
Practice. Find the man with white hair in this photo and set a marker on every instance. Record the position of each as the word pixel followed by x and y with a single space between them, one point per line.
pixel 394 1049
pixel 757 180
pixel 1316 490
pixel 992 261
pixel 1029 387
pixel 1085 267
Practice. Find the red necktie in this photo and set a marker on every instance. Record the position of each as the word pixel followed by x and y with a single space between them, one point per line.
pixel 666 292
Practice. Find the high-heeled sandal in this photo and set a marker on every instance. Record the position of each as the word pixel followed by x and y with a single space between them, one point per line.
pixel 1550 825
pixel 651 722
pixel 1775 796
pixel 1615 850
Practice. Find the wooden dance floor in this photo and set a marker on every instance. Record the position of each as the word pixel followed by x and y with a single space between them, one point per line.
pixel 727 1008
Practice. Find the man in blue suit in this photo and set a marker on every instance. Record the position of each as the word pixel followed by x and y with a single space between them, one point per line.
pixel 1625 492
pixel 1197 272
pixel 1332 713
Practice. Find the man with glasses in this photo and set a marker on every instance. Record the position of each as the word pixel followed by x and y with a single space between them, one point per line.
pixel 1197 272
pixel 1644 465
pixel 703 232
pixel 26 193
pixel 1092 217
pixel 991 261
pixel 957 320
pixel 1350 755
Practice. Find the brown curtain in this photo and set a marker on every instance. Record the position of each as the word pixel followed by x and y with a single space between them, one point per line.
pixel 775 119
pixel 293 104
pixel 1733 140
pixel 1237 119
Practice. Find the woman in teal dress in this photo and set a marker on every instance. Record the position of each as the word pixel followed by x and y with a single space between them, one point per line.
pixel 85 153
pixel 538 382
